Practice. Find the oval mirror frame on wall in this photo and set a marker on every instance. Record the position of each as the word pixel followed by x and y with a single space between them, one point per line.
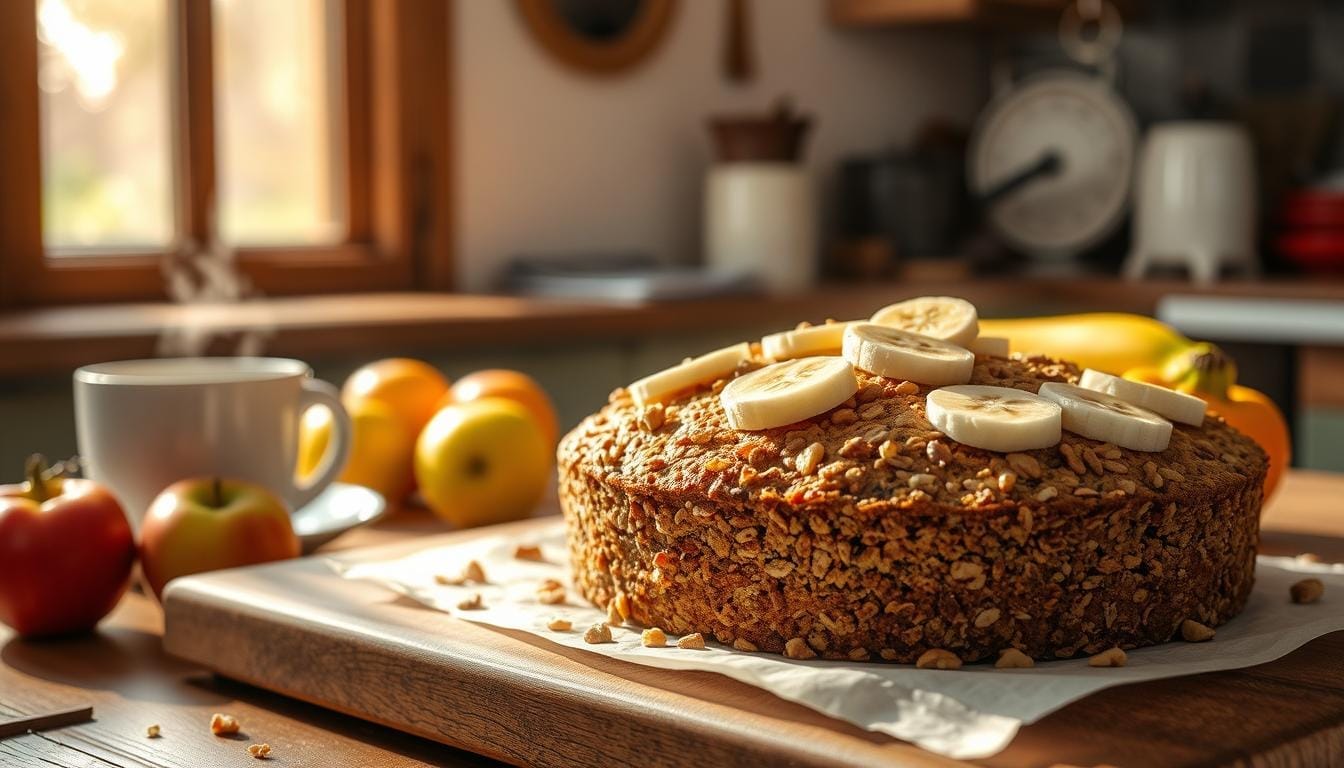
pixel 639 38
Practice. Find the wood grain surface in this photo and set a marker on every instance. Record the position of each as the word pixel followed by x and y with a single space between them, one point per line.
pixel 1287 713
pixel 57 339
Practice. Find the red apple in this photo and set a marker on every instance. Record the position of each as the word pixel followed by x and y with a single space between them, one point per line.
pixel 66 553
pixel 205 524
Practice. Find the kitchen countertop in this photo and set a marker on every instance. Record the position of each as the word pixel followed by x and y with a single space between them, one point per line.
pixel 131 684
pixel 46 340
pixel 1258 320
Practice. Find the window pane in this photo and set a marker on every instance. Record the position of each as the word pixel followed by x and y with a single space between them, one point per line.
pixel 107 142
pixel 277 110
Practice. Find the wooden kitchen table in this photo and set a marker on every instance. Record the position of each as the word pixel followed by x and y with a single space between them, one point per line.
pixel 131 684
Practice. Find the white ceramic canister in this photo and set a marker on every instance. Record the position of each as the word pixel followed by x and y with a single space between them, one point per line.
pixel 761 220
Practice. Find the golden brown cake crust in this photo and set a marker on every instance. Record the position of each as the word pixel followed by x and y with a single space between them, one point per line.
pixel 868 534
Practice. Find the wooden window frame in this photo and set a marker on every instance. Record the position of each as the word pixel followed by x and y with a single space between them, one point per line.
pixel 399 191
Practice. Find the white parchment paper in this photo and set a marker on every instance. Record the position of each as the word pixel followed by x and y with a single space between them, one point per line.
pixel 970 713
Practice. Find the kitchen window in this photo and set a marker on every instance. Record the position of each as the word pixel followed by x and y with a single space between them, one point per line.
pixel 306 139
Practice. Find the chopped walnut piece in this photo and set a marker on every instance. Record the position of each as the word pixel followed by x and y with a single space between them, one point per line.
pixel 598 633
pixel 1012 658
pixel 1194 632
pixel 1307 591
pixel 1113 657
pixel 807 461
pixel 652 417
pixel 449 581
pixel 152 731
pixel 472 603
pixel 694 641
pixel 474 572
pixel 223 725
pixel 259 751
pixel 550 592
pixel 558 624
pixel 653 637
pixel 986 617
pixel 797 648
pixel 743 644
pixel 614 618
pixel 527 552
pixel 937 658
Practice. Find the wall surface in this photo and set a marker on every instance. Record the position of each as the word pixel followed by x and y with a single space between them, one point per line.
pixel 549 160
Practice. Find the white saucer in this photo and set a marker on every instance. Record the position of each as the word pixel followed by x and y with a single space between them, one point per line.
pixel 339 508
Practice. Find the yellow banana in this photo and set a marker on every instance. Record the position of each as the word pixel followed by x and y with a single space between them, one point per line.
pixel 1107 341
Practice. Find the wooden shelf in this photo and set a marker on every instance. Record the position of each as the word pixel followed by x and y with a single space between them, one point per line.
pixel 57 339
pixel 889 13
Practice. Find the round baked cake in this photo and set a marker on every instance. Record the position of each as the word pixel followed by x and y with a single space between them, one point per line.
pixel 865 533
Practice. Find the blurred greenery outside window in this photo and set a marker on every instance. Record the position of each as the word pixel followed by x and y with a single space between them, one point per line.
pixel 109 80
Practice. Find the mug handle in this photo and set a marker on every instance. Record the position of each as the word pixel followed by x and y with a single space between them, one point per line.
pixel 318 392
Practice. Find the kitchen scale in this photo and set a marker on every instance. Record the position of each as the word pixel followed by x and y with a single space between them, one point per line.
pixel 1052 157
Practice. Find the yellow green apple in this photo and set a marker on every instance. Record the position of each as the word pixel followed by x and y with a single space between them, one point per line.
pixel 481 462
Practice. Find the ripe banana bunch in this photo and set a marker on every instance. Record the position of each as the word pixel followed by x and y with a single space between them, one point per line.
pixel 1107 341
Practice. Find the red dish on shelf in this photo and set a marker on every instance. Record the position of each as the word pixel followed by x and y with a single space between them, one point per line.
pixel 1313 208
pixel 1320 250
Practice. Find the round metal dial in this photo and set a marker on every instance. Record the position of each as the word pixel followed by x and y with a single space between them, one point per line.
pixel 1092 132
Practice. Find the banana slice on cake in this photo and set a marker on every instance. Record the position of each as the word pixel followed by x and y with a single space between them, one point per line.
pixel 940 317
pixel 1100 416
pixel 994 418
pixel 803 342
pixel 898 354
pixel 787 392
pixel 991 346
pixel 700 370
pixel 1177 406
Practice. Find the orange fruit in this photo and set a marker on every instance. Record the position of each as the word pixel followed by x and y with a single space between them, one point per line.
pixel 510 385
pixel 381 450
pixel 412 390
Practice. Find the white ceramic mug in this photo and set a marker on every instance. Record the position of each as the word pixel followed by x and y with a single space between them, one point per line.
pixel 142 425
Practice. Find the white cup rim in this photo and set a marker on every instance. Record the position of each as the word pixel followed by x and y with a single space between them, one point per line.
pixel 187 371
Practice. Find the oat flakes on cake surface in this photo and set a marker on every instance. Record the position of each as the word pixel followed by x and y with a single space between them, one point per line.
pixel 863 532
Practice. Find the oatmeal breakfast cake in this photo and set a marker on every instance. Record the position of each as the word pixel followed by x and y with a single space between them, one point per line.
pixel 863 532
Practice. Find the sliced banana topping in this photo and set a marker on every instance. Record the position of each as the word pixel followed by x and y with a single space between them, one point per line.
pixel 940 317
pixel 804 342
pixel 1100 416
pixel 700 370
pixel 994 418
pixel 990 346
pixel 1177 406
pixel 787 392
pixel 898 354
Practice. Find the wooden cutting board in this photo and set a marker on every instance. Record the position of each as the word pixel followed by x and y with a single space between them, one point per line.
pixel 298 629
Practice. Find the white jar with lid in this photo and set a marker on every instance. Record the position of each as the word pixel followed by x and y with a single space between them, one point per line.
pixel 760 219
pixel 760 216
